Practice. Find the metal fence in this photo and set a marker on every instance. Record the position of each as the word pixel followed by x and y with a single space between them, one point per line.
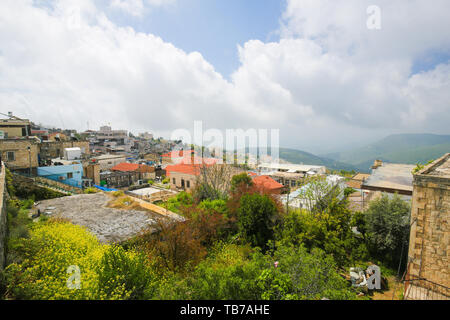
pixel 423 289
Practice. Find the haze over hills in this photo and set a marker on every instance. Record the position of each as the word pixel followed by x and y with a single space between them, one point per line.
pixel 298 156
pixel 398 148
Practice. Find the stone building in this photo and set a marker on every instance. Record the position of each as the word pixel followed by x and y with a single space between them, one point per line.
pixel 55 149
pixel 15 128
pixel 428 273
pixel 20 154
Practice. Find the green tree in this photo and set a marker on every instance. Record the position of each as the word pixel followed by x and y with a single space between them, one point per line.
pixel 296 274
pixel 239 180
pixel 388 225
pixel 256 218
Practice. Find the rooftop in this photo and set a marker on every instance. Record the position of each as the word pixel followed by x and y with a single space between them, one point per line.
pixel 91 211
pixel 391 177
pixel 267 183
pixel 126 167
pixel 191 169
pixel 290 167
pixel 439 168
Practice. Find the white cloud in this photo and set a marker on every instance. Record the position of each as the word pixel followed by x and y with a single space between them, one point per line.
pixel 133 7
pixel 328 81
pixel 137 7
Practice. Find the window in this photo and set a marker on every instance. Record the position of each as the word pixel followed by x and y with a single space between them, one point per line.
pixel 174 181
pixel 188 184
pixel 70 175
pixel 11 156
pixel 293 183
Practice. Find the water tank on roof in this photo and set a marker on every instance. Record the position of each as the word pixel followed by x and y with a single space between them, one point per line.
pixel 72 153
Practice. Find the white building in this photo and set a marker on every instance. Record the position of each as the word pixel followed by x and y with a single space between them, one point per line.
pixel 306 196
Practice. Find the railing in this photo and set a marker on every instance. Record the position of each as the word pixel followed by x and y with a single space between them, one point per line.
pixel 423 289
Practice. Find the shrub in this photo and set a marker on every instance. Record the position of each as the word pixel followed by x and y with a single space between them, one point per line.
pixel 256 217
pixel 229 273
pixel 105 272
pixel 90 190
pixel 387 223
pixel 117 194
pixel 299 275
pixel 121 269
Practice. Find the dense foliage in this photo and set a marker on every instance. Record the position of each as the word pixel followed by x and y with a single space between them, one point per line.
pixel 387 225
pixel 242 246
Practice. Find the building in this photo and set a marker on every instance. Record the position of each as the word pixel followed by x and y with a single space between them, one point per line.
pixel 429 242
pixel 70 174
pixel 267 184
pixel 14 128
pixel 107 140
pixel 290 175
pixel 390 178
pixel 20 154
pixel 40 133
pixel 146 136
pixel 49 150
pixel 177 156
pixel 144 172
pixel 58 136
pixel 183 176
pixel 92 173
pixel 107 161
pixel 306 197
pixel 357 180
pixel 119 179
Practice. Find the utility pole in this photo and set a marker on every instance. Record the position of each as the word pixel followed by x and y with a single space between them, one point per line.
pixel 29 158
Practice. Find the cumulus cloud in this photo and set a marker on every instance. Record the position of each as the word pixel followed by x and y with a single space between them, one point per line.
pixel 137 7
pixel 328 81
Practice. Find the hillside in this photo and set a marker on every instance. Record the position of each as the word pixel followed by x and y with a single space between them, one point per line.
pixel 400 148
pixel 297 156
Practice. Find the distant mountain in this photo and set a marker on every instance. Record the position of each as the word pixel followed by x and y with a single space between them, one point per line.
pixel 297 156
pixel 399 148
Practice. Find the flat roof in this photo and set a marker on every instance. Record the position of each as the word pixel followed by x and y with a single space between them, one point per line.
pixel 391 177
pixel 289 166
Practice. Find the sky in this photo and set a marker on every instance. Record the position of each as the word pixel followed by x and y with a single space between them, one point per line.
pixel 321 71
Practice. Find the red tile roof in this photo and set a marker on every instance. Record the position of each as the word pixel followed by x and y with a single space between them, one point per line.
pixel 267 182
pixel 191 169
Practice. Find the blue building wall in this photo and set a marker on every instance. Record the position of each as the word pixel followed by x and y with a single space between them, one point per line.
pixel 60 174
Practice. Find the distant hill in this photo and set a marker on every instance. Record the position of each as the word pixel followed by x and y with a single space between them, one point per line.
pixel 399 148
pixel 297 156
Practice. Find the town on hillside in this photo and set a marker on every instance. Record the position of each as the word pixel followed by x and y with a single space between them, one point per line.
pixel 128 190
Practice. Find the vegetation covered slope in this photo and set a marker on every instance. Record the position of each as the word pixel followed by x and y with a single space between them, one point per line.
pixel 400 148
pixel 297 156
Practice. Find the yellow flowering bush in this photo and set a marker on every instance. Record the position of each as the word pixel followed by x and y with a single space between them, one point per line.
pixel 55 246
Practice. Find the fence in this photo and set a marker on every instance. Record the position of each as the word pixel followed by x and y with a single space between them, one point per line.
pixel 423 289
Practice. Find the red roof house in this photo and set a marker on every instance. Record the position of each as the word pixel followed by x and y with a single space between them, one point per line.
pixel 267 183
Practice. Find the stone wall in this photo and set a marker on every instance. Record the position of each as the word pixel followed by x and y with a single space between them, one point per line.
pixel 3 217
pixel 178 176
pixel 58 185
pixel 55 149
pixel 429 246
pixel 21 155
